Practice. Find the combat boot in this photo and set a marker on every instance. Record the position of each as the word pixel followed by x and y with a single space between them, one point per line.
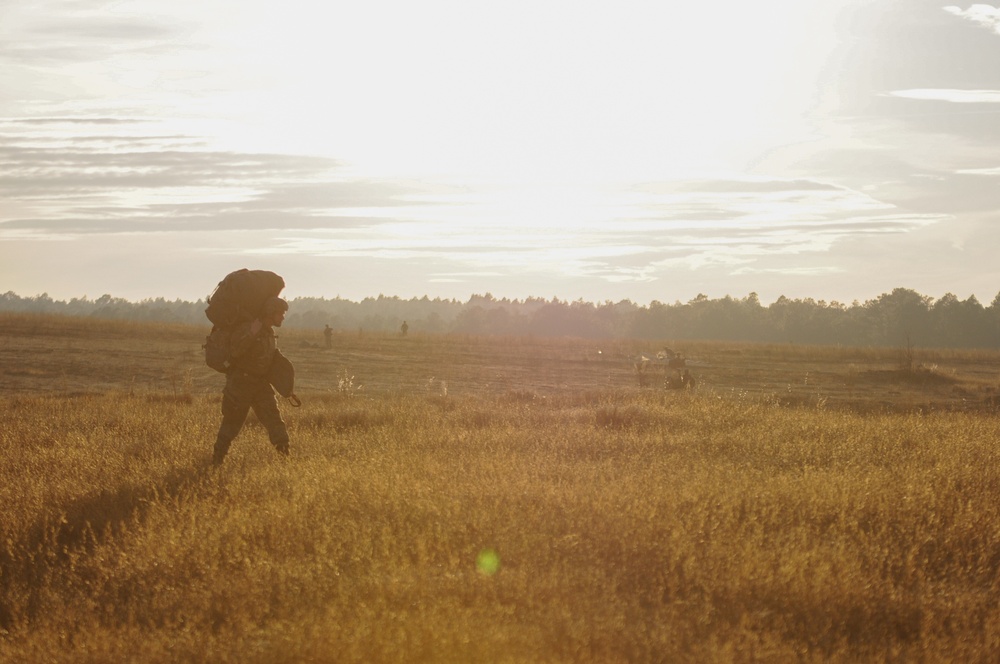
pixel 219 452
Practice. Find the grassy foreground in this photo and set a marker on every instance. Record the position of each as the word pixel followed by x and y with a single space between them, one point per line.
pixel 604 526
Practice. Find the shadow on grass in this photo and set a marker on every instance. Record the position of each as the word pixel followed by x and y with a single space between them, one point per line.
pixel 51 543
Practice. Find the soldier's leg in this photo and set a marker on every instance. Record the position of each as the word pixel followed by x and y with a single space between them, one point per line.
pixel 265 406
pixel 235 408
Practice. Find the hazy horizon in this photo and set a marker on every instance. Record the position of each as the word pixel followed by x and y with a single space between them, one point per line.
pixel 598 151
pixel 500 298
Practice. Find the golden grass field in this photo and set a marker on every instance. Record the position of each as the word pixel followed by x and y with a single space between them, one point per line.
pixel 462 499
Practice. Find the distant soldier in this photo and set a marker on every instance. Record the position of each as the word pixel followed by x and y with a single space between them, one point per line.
pixel 328 335
pixel 687 380
pixel 247 386
pixel 403 328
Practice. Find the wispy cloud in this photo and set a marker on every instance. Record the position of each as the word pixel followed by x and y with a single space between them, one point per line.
pixel 748 185
pixel 953 96
pixel 980 171
pixel 73 182
pixel 984 15
pixel 649 230
pixel 82 32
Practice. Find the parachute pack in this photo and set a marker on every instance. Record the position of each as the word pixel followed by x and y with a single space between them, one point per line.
pixel 238 298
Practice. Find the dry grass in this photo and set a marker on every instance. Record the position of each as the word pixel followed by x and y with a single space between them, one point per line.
pixel 630 525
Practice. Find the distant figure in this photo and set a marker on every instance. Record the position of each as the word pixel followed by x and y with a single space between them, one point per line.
pixel 328 335
pixel 404 328
pixel 687 380
pixel 253 348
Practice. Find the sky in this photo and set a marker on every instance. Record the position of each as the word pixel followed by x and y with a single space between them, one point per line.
pixel 649 151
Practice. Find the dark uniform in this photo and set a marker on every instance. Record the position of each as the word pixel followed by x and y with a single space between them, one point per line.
pixel 247 387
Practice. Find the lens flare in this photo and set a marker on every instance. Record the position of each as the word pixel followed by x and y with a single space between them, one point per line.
pixel 488 562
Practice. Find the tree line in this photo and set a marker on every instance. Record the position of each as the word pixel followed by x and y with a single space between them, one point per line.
pixel 902 317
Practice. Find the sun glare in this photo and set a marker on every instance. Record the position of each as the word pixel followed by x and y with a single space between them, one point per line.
pixel 575 94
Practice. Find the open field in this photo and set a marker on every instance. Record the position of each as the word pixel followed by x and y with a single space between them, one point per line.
pixel 500 500
pixel 47 355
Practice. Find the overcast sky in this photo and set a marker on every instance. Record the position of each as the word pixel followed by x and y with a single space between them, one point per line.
pixel 832 149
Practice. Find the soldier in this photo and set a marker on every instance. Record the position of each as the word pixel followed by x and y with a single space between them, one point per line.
pixel 247 386
pixel 328 335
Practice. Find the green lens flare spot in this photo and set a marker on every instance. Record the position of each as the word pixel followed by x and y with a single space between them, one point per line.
pixel 488 562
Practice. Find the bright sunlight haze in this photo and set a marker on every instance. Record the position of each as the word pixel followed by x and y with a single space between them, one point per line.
pixel 604 151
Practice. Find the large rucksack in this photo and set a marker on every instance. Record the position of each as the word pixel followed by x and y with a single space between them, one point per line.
pixel 238 298
pixel 241 296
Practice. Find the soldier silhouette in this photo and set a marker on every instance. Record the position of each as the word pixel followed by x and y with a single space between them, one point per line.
pixel 247 386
